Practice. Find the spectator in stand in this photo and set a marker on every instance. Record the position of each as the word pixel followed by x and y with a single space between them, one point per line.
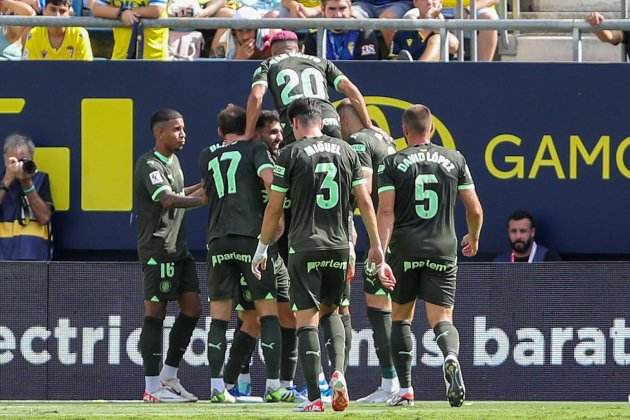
pixel 25 204
pixel 485 10
pixel 58 43
pixel 423 45
pixel 521 231
pixel 245 44
pixel 340 44
pixel 608 36
pixel 301 9
pixel 384 9
pixel 153 43
pixel 11 36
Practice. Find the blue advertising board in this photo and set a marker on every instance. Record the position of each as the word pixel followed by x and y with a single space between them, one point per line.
pixel 554 331
pixel 550 138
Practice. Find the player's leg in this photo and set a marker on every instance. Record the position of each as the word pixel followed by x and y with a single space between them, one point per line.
pixel 288 359
pixel 403 306
pixel 332 291
pixel 438 291
pixel 243 344
pixel 158 291
pixel 190 310
pixel 346 320
pixel 304 294
pixel 222 287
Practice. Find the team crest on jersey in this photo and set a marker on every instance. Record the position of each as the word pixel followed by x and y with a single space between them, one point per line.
pixel 70 50
pixel 156 178
pixel 409 41
pixel 368 49
pixel 351 47
pixel 44 53
pixel 165 286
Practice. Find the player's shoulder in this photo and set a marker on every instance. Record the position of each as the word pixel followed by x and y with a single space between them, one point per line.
pixel 453 154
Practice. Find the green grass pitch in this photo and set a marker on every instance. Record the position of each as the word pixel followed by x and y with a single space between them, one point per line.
pixel 204 410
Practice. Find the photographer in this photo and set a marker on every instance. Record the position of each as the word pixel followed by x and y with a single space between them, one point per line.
pixel 25 204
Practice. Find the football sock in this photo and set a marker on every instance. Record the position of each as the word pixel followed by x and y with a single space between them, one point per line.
pixel 179 338
pixel 347 326
pixel 242 346
pixel 288 361
pixel 402 351
pixel 390 385
pixel 151 345
pixel 335 339
pixel 168 372
pixel 310 359
pixel 447 338
pixel 151 384
pixel 271 344
pixel 216 346
pixel 381 322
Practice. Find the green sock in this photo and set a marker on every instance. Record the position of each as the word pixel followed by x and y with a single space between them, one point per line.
pixel 242 346
pixel 335 339
pixel 216 346
pixel 402 351
pixel 310 358
pixel 151 345
pixel 447 338
pixel 288 360
pixel 381 322
pixel 347 326
pixel 271 344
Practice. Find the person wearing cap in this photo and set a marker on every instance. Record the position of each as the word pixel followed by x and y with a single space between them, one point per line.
pixel 245 44
pixel 344 44
pixel 291 75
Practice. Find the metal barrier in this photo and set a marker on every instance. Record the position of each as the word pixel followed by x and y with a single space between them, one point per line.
pixel 574 26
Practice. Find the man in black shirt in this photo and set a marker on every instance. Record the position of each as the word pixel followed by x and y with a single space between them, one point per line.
pixel 521 232
pixel 418 189
pixel 319 173
pixel 159 202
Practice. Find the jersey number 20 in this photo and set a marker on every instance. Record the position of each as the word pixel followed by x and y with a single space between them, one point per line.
pixel 313 84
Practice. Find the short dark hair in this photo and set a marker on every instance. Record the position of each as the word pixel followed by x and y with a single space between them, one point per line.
pixel 326 1
pixel 232 120
pixel 520 215
pixel 59 2
pixel 163 115
pixel 418 119
pixel 305 110
pixel 267 117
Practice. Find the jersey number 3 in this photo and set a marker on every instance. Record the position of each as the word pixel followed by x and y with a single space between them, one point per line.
pixel 329 183
pixel 430 208
pixel 214 166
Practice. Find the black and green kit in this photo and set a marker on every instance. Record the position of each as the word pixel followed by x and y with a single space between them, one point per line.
pixel 166 262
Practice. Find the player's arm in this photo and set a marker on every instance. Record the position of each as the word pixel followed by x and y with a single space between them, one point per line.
pixel 474 219
pixel 192 188
pixel 270 226
pixel 345 86
pixel 385 216
pixel 254 106
pixel 168 200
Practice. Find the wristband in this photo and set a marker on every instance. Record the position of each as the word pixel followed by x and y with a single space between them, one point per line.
pixel 261 249
pixel 29 190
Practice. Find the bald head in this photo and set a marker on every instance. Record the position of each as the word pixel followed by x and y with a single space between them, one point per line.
pixel 417 121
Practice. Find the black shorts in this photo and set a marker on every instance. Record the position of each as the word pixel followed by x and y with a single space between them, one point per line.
pixel 430 279
pixel 165 281
pixel 373 286
pixel 317 277
pixel 245 299
pixel 229 265
pixel 330 119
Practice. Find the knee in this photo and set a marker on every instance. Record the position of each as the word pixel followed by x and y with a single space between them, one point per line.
pixel 488 13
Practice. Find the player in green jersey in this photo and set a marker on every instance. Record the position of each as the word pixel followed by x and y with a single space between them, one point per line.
pixel 418 189
pixel 159 201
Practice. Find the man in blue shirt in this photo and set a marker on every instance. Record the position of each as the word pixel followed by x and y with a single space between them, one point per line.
pixel 25 204
pixel 343 45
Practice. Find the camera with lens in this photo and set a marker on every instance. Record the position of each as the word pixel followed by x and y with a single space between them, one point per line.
pixel 28 166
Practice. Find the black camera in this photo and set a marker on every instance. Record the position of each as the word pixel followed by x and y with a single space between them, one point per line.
pixel 28 166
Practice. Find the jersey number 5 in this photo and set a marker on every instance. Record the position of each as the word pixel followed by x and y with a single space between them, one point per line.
pixel 429 209
pixel 329 184
pixel 214 167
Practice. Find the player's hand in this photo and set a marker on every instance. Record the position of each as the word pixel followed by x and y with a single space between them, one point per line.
pixel 374 259
pixel 595 18
pixel 128 17
pixel 259 262
pixel 469 246
pixel 386 277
